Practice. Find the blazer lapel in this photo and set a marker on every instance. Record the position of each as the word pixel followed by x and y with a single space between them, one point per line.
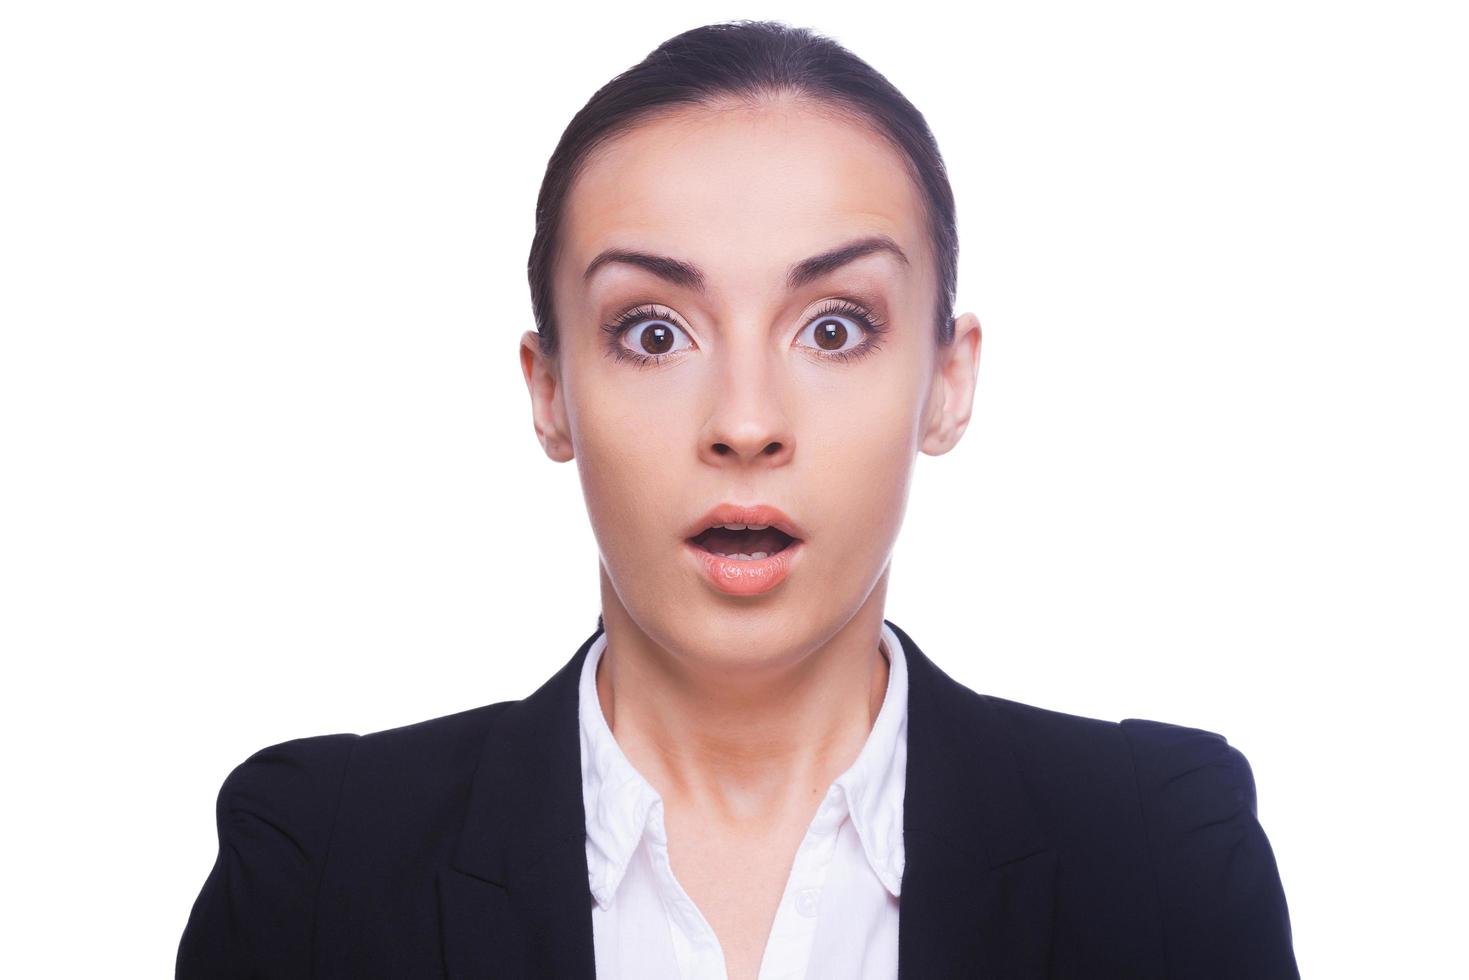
pixel 979 876
pixel 978 879
pixel 514 901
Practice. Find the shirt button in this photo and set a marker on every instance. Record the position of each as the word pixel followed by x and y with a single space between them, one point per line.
pixel 807 901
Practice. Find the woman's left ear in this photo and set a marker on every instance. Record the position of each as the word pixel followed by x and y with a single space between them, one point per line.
pixel 951 400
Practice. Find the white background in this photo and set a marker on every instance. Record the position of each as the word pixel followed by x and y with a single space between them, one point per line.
pixel 269 470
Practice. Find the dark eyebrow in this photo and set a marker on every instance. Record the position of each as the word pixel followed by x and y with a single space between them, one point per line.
pixel 688 275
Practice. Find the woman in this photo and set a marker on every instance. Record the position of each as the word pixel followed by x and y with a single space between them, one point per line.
pixel 743 278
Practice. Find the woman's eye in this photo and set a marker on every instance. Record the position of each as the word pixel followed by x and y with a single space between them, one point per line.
pixel 845 330
pixel 836 334
pixel 641 334
pixel 655 337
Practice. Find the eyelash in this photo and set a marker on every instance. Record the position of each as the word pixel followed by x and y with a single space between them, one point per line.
pixel 873 325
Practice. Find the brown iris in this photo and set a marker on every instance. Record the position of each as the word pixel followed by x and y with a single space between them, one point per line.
pixel 831 328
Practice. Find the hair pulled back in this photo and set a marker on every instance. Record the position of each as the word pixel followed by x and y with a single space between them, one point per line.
pixel 746 61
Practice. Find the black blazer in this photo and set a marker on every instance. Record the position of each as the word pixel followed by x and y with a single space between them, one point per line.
pixel 1039 844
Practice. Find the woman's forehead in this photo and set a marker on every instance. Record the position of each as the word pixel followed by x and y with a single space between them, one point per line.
pixel 742 189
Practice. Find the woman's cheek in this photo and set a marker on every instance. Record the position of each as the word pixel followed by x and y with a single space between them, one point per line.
pixel 632 492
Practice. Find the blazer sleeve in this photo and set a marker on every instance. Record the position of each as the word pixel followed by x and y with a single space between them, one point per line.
pixel 254 917
pixel 1223 906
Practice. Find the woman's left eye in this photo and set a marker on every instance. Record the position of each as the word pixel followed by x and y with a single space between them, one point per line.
pixel 840 322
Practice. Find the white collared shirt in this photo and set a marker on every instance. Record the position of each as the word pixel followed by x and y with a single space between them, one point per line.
pixel 838 917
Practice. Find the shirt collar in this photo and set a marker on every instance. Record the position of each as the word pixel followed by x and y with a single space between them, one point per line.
pixel 619 802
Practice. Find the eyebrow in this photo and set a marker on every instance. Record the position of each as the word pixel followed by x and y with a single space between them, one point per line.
pixel 686 274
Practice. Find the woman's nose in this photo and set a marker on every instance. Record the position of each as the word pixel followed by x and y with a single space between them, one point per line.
pixel 748 420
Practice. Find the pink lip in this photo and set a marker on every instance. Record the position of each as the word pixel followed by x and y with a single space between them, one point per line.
pixel 745 514
pixel 734 576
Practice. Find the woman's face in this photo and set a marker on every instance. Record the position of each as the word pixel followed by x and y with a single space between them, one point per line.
pixel 734 380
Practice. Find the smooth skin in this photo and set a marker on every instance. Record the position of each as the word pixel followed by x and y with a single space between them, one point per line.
pixel 741 711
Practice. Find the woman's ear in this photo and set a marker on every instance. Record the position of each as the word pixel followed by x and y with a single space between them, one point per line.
pixel 951 400
pixel 543 380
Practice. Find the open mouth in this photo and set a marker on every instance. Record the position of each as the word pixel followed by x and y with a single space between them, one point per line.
pixel 743 542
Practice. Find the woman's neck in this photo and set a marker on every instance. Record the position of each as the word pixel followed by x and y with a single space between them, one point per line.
pixel 748 742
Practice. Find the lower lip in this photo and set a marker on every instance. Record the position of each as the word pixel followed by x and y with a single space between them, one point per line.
pixel 752 577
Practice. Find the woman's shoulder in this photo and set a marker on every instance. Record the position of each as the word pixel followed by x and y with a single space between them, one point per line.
pixel 360 803
pixel 295 791
pixel 307 772
pixel 1173 787
pixel 1176 801
pixel 1169 764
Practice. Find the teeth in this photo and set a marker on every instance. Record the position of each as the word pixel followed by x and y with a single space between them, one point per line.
pixel 744 557
pixel 742 527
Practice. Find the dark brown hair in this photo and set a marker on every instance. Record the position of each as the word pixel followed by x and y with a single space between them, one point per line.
pixel 746 60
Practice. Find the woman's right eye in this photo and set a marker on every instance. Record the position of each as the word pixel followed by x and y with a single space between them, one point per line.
pixel 645 336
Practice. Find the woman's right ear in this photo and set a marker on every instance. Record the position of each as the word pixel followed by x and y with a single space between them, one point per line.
pixel 543 381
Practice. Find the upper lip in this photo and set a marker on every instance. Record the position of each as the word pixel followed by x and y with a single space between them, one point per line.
pixel 745 514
